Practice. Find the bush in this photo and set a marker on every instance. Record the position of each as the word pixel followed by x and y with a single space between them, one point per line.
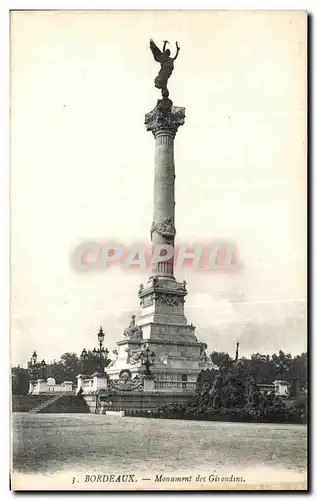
pixel 273 414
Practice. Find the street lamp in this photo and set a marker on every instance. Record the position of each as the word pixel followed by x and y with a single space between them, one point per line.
pixel 42 368
pixel 147 359
pixel 34 368
pixel 100 354
pixel 84 359
pixel 34 358
pixel 101 336
pixel 282 368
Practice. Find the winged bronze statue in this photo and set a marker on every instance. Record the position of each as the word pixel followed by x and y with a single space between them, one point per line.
pixel 167 65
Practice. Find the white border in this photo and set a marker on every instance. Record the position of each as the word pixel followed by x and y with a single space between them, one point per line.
pixel 161 4
pixel 5 6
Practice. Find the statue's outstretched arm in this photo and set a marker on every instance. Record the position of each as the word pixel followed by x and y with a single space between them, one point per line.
pixel 177 51
pixel 164 45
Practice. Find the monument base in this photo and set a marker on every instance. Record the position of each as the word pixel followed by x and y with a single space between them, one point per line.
pixel 134 401
pixel 162 328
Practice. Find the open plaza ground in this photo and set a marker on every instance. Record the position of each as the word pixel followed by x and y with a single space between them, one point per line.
pixel 51 444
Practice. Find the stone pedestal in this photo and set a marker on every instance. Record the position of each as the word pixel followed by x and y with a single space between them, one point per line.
pixel 41 386
pixel 80 384
pixel 281 387
pixel 148 384
pixel 32 386
pixel 99 381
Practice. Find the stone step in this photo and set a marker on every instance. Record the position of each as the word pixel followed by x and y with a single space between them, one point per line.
pixel 64 403
pixel 45 404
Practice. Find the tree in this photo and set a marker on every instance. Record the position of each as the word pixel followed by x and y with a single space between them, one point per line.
pixel 236 386
pixel 282 363
pixel 297 376
pixel 70 365
pixel 262 369
pixel 205 380
pixel 220 358
pixel 20 380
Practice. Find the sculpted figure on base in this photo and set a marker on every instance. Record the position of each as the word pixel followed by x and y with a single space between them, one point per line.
pixel 133 355
pixel 133 331
pixel 125 382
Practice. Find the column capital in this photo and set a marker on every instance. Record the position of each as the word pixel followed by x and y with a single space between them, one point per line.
pixel 164 118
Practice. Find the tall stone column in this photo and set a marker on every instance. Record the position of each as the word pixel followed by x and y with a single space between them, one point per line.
pixel 163 121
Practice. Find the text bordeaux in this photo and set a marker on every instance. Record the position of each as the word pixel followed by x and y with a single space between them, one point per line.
pixel 110 478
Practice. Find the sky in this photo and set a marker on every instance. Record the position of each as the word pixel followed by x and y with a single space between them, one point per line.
pixel 82 169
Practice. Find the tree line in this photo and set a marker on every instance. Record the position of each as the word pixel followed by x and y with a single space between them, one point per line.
pixel 66 368
pixel 263 368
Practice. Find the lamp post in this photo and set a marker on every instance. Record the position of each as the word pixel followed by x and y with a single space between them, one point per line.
pixel 32 366
pixel 100 354
pixel 147 359
pixel 84 359
pixel 237 352
pixel 36 369
pixel 34 358
pixel 282 368
pixel 42 368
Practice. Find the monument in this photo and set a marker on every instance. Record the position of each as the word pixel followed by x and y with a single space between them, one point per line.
pixel 162 330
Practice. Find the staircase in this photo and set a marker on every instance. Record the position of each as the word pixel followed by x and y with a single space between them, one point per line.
pixel 59 403
pixel 45 404
pixel 26 402
pixel 68 403
pixel 63 403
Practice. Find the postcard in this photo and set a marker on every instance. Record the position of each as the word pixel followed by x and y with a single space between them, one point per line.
pixel 158 250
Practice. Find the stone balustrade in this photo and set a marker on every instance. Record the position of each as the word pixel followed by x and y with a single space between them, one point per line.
pixel 279 387
pixel 49 386
pixel 87 383
pixel 169 385
pixel 266 387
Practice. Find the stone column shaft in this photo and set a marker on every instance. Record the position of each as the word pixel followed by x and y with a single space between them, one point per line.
pixel 164 184
pixel 163 122
pixel 164 197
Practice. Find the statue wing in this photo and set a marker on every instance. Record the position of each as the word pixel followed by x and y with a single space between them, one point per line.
pixel 157 54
